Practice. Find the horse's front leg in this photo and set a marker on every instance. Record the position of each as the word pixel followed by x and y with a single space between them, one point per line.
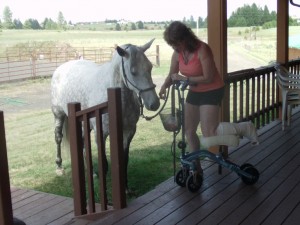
pixel 127 138
pixel 104 163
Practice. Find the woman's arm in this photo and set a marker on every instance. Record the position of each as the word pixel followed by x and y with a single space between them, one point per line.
pixel 174 69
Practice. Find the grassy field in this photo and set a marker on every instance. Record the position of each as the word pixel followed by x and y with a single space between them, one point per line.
pixel 246 48
pixel 29 122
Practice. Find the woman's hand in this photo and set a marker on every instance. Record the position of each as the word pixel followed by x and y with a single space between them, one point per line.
pixel 162 92
pixel 168 82
pixel 176 76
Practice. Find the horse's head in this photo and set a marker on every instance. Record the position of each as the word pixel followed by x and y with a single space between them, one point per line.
pixel 136 73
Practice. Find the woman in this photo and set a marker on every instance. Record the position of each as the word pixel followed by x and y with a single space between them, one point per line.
pixel 193 60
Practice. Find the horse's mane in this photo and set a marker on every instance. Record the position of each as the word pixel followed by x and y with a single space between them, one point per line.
pixel 116 64
pixel 116 67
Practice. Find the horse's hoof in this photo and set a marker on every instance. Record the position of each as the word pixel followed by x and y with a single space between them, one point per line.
pixel 60 172
pixel 130 192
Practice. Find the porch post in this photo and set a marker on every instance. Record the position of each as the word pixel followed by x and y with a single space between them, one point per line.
pixel 282 31
pixel 217 40
pixel 6 211
pixel 282 37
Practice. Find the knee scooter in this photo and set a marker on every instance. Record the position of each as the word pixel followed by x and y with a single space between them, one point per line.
pixel 187 175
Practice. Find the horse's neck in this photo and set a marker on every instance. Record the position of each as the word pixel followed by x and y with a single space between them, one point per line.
pixel 115 73
pixel 112 76
pixel 130 105
pixel 117 81
pixel 128 94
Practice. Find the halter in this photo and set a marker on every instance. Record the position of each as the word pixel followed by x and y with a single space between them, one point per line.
pixel 137 88
pixel 132 84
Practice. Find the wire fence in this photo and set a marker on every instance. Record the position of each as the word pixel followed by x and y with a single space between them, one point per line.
pixel 24 63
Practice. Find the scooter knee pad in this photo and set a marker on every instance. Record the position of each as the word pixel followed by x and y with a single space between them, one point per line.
pixel 228 140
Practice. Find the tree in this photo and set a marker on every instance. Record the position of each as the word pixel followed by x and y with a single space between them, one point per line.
pixel 61 22
pixel 192 23
pixel 49 24
pixel 251 16
pixel 7 18
pixel 133 26
pixel 118 27
pixel 140 25
pixel 200 22
pixel 18 24
pixel 32 24
pixel 266 15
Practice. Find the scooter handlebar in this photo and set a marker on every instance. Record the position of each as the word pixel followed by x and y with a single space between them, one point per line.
pixel 183 84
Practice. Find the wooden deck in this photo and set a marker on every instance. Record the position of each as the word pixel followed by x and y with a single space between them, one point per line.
pixel 222 199
pixel 38 208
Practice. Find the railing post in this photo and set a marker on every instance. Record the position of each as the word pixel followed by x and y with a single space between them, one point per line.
pixel 116 146
pixel 6 214
pixel 76 149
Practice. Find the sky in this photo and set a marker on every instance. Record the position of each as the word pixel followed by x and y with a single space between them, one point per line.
pixel 131 10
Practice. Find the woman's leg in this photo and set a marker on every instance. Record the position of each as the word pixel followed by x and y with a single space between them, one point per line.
pixel 191 120
pixel 209 117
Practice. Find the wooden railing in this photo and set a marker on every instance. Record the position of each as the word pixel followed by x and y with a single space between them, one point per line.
pixel 294 66
pixel 82 167
pixel 6 214
pixel 254 94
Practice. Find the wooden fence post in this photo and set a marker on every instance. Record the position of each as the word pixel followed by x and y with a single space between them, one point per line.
pixel 157 56
pixel 6 214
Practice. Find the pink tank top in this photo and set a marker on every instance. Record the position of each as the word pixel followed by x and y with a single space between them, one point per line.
pixel 194 68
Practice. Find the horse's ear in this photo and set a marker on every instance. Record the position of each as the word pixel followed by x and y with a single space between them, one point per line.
pixel 146 46
pixel 121 51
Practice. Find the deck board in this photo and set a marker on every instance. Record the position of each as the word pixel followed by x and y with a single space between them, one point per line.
pixel 222 199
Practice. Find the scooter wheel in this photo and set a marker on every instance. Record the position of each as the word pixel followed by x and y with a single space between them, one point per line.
pixel 248 168
pixel 181 177
pixel 242 167
pixel 194 183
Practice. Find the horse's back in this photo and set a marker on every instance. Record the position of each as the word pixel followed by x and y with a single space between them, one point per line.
pixel 77 81
pixel 74 69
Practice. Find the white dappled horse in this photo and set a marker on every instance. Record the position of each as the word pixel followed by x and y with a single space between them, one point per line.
pixel 86 82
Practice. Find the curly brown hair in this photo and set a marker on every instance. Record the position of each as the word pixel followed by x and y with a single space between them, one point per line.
pixel 178 32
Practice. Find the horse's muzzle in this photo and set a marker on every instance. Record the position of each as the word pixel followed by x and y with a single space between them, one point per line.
pixel 154 106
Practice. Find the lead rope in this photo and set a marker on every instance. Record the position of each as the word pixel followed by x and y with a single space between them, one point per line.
pixel 158 112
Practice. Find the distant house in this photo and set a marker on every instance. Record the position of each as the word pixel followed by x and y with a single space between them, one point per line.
pixel 123 22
